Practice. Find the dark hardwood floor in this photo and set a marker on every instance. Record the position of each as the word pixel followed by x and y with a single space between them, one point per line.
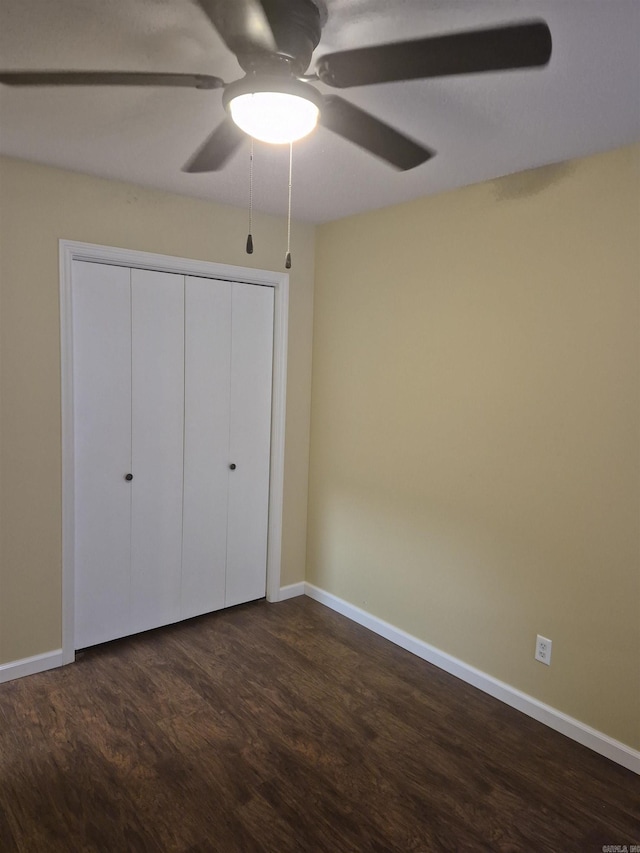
pixel 288 728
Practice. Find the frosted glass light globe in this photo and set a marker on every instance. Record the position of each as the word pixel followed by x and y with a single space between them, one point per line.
pixel 276 117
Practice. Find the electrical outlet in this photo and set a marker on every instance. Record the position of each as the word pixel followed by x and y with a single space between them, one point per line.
pixel 543 650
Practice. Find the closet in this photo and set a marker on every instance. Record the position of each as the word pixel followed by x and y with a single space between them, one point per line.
pixel 172 380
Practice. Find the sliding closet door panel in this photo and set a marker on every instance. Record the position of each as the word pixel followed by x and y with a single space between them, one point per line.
pixel 206 449
pixel 102 434
pixel 250 439
pixel 157 311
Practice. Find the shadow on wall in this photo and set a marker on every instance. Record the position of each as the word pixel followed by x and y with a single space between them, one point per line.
pixel 533 181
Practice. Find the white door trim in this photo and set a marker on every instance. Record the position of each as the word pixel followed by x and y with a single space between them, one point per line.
pixel 70 251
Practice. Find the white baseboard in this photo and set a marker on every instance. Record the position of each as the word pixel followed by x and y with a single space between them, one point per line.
pixel 30 666
pixel 572 728
pixel 291 591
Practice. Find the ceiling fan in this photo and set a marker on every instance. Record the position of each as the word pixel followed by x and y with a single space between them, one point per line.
pixel 275 101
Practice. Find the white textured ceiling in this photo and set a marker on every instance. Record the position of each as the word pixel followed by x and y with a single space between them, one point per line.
pixel 482 126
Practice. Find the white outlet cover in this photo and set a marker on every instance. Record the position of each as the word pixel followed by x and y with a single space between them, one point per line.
pixel 543 650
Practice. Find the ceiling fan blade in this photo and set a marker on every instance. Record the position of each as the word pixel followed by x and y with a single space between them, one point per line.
pixel 242 24
pixel 108 78
pixel 216 149
pixel 522 45
pixel 370 133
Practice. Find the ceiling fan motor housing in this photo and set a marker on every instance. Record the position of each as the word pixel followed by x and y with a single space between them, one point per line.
pixel 296 28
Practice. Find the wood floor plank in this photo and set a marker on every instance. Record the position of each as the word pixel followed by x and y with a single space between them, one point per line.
pixel 288 729
pixel 7 840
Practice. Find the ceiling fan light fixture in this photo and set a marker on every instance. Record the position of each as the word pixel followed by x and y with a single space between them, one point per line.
pixel 276 110
pixel 274 116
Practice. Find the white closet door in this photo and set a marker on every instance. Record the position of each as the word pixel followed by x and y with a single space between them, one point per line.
pixel 250 440
pixel 206 449
pixel 157 312
pixel 102 434
pixel 172 384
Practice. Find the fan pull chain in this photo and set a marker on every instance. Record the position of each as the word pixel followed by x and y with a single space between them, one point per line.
pixel 250 234
pixel 287 261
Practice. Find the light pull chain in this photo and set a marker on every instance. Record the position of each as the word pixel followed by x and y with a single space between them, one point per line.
pixel 287 261
pixel 250 235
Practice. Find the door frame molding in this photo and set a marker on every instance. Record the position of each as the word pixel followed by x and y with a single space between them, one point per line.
pixel 71 251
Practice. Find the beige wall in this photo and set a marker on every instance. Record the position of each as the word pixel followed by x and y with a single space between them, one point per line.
pixel 475 467
pixel 475 431
pixel 39 205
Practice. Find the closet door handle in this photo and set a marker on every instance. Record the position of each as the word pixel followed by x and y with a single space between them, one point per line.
pixel 233 466
pixel 128 476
